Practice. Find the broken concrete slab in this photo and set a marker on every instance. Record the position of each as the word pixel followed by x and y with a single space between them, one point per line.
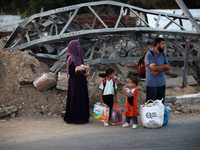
pixel 62 82
pixel 121 69
pixel 46 81
pixel 7 110
pixel 189 98
pixel 178 81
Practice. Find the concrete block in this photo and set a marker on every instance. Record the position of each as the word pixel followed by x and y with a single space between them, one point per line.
pixel 178 81
pixel 7 110
pixel 189 98
pixel 62 82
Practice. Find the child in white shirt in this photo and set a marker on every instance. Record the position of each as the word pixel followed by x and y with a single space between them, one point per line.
pixel 108 89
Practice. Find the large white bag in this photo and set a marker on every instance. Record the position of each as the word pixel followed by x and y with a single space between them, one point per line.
pixel 152 114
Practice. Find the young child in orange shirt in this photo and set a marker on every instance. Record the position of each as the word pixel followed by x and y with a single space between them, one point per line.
pixel 131 103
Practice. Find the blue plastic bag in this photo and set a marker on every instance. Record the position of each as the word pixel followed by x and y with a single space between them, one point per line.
pixel 166 116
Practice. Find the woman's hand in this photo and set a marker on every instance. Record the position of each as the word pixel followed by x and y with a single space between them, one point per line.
pixel 87 69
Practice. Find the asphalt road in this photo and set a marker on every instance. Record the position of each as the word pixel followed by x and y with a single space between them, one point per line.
pixel 57 135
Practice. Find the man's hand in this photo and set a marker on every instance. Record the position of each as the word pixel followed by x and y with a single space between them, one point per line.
pixel 167 67
pixel 154 73
pixel 156 69
pixel 161 68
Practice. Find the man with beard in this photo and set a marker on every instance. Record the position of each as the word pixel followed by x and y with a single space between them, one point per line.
pixel 155 71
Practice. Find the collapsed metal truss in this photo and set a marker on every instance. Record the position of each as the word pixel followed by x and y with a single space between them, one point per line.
pixel 47 34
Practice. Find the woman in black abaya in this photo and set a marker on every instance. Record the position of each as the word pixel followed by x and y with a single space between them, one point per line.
pixel 77 108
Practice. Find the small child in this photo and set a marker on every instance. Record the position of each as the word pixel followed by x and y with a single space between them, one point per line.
pixel 131 103
pixel 79 70
pixel 108 90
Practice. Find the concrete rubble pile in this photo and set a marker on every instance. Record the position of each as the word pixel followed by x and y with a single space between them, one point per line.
pixel 33 65
pixel 20 97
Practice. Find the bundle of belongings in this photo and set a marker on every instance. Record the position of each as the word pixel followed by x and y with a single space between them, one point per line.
pixel 154 114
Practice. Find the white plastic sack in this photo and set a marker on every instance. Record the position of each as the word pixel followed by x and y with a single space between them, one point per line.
pixel 152 114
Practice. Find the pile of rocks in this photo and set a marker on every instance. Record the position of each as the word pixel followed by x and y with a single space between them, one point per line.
pixel 19 98
pixel 183 108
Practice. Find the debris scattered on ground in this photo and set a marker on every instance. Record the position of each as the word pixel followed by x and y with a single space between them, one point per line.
pixel 18 70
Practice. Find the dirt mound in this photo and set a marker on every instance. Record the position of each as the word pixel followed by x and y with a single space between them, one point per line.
pixel 20 67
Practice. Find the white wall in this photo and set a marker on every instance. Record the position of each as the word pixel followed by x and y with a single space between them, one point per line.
pixel 164 21
pixel 8 22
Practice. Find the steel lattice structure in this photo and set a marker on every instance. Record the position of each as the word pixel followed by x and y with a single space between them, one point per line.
pixel 52 30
